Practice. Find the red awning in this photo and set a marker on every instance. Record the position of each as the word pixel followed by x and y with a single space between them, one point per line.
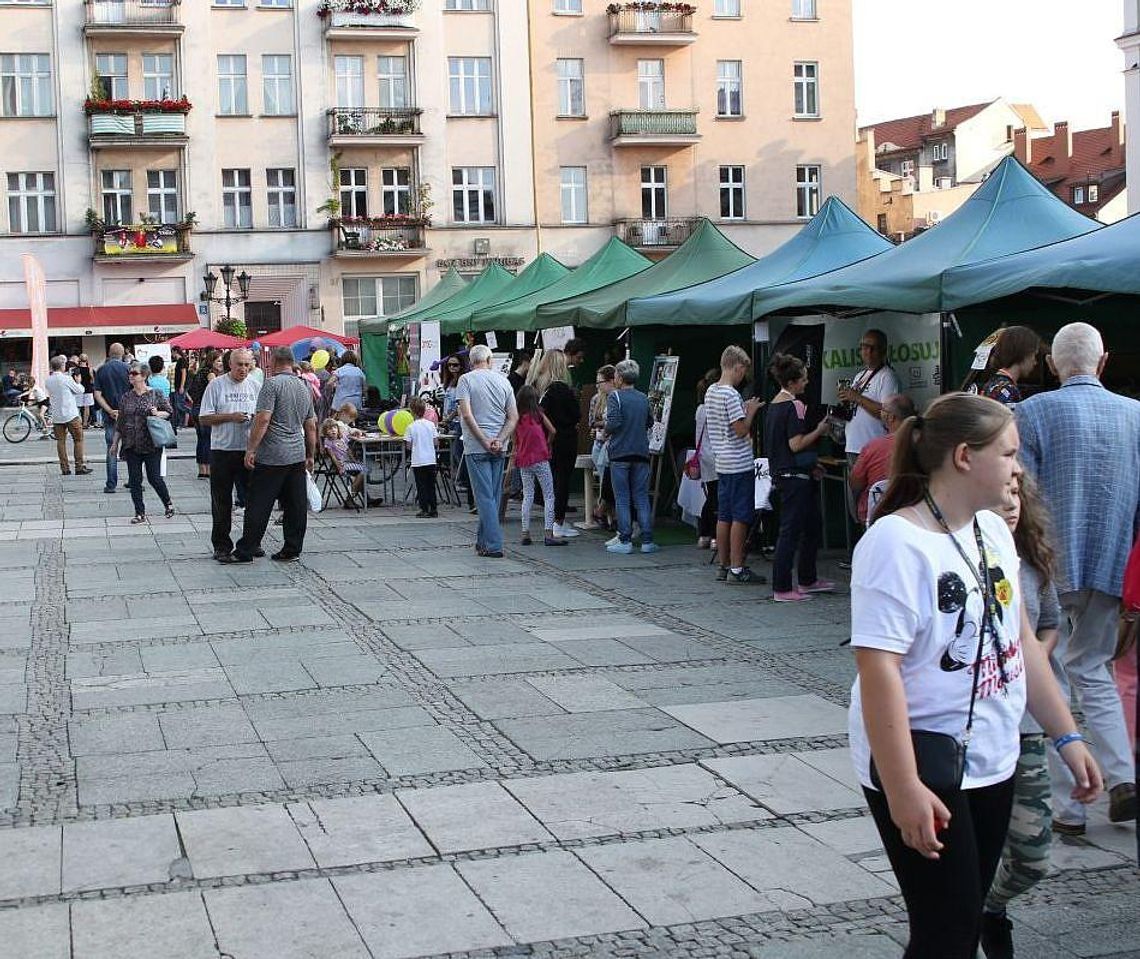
pixel 294 334
pixel 78 320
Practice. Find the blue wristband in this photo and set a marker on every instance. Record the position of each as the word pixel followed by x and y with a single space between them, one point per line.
pixel 1062 741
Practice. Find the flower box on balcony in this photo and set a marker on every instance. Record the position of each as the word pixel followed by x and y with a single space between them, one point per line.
pixel 163 123
pixel 348 19
pixel 113 124
pixel 121 107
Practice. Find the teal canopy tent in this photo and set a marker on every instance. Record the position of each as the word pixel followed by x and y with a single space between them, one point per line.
pixel 538 276
pixel 450 284
pixel 1010 212
pixel 834 237
pixel 483 287
pixel 706 254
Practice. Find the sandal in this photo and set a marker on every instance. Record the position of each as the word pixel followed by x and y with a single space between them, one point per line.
pixel 169 510
pixel 137 520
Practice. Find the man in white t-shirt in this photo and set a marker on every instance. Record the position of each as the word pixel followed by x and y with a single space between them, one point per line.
pixel 64 389
pixel 868 391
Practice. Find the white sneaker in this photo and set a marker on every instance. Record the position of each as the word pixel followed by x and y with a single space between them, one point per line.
pixel 564 531
pixel 614 540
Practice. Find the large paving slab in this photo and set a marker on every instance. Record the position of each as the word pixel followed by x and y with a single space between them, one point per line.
pixel 602 733
pixel 173 926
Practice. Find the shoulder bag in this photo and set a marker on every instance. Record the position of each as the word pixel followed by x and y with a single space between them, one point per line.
pixel 693 463
pixel 161 431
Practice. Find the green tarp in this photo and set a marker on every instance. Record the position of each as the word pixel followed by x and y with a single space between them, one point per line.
pixel 706 254
pixel 614 261
pixel 483 287
pixel 539 275
pixel 450 284
pixel 1010 212
pixel 834 237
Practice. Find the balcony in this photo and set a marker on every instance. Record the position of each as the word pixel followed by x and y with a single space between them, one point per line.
pixel 669 25
pixel 372 25
pixel 653 234
pixel 162 128
pixel 653 127
pixel 374 126
pixel 165 243
pixel 144 18
pixel 379 237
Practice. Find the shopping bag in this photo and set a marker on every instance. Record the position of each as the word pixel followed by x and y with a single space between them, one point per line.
pixel 316 501
pixel 763 483
pixel 691 499
pixel 162 465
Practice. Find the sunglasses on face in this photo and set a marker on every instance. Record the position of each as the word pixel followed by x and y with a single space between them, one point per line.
pixel 134 373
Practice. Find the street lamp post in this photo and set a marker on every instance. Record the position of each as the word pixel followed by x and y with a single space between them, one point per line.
pixel 228 299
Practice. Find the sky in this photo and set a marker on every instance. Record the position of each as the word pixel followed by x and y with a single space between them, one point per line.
pixel 1058 55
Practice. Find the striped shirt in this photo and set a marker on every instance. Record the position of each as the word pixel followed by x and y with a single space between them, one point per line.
pixel 723 408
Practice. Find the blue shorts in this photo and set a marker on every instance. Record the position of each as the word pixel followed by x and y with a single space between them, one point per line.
pixel 736 497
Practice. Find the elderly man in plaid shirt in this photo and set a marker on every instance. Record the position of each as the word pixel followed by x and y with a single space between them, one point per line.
pixel 1083 445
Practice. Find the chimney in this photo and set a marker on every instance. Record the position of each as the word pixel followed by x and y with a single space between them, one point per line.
pixel 1023 146
pixel 1063 140
pixel 938 118
pixel 1117 129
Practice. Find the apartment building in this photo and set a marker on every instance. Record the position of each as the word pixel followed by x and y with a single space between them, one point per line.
pixel 344 153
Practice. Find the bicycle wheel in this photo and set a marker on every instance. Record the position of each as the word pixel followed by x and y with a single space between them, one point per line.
pixel 17 428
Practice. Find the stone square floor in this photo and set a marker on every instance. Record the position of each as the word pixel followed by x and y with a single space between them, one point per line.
pixel 395 748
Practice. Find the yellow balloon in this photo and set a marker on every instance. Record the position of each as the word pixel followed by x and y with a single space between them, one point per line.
pixel 320 359
pixel 401 421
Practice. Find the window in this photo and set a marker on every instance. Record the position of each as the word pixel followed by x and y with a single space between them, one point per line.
pixel 158 76
pixel 906 168
pixel 473 194
pixel 806 84
pixel 726 8
pixel 940 151
pixel 728 87
pixel 396 189
pixel 567 6
pixel 732 192
pixel 277 84
pixel 111 68
pixel 281 191
pixel 1078 194
pixel 237 199
pixel 467 5
pixel 393 74
pixel 469 79
pixel 882 224
pixel 25 85
pixel 807 190
pixel 353 191
pixel 653 206
pixel 943 183
pixel 275 3
pixel 804 10
pixel 162 195
pixel 229 3
pixel 117 197
pixel 1094 192
pixel 349 81
pixel 31 202
pixel 573 186
pixel 571 89
pixel 232 97
pixel 651 84
pixel 377 295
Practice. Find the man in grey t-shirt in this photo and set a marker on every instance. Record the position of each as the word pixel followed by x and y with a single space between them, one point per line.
pixel 280 451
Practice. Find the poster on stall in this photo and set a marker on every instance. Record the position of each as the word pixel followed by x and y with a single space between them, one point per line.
pixel 492 340
pixel 557 337
pixel 662 382
pixel 429 356
pixel 144 351
pixel 501 363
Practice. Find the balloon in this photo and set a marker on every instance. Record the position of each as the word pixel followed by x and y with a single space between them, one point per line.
pixel 401 421
pixel 320 359
pixel 255 346
pixel 431 414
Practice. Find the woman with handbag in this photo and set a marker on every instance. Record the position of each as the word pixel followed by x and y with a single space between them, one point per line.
pixel 138 408
pixel 947 663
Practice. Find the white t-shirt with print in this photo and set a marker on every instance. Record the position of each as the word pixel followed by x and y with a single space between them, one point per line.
pixel 913 594
pixel 865 426
pixel 420 436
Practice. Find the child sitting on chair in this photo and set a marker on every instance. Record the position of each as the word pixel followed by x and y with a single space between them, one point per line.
pixel 420 436
pixel 345 421
pixel 335 444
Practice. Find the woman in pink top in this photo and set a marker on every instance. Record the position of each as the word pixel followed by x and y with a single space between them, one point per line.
pixel 531 455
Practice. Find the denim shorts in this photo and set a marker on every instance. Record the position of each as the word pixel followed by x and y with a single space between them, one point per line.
pixel 736 497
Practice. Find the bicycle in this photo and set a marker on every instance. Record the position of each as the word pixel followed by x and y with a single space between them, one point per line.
pixel 18 426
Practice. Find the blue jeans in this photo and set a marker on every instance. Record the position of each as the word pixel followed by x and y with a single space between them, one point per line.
pixel 631 485
pixel 112 462
pixel 485 471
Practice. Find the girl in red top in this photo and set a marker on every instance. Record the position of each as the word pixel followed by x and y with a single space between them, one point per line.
pixel 531 455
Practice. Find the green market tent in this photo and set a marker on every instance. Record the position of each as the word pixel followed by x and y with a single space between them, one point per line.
pixel 539 275
pixel 706 254
pixel 483 287
pixel 1010 212
pixel 1104 261
pixel 450 284
pixel 614 261
pixel 833 238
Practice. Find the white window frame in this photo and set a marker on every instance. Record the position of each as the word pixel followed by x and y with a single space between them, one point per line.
pixel 805 89
pixel 732 189
pixel 469 86
pixel 158 77
pixel 392 77
pixel 651 84
pixel 349 74
pixel 162 195
pixel 30 193
pixel 281 195
pixel 467 6
pixel 809 189
pixel 111 69
pixel 474 188
pixel 277 86
pixel 388 295
pixel 727 9
pixel 1093 192
pixel 655 190
pixel 277 4
pixel 395 190
pixel 229 3
pixel 727 85
pixel 353 191
pixel 237 199
pixel 571 86
pixel 233 86
pixel 1078 195
pixel 805 9
pixel 25 85
pixel 571 8
pixel 906 168
pixel 573 185
pixel 117 196
pixel 943 183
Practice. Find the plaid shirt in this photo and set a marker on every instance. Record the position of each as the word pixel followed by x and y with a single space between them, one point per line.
pixel 1082 443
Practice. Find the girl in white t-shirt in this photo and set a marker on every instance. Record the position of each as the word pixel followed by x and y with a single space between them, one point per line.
pixel 942 646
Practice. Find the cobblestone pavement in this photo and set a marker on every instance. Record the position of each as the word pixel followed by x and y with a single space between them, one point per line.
pixel 394 748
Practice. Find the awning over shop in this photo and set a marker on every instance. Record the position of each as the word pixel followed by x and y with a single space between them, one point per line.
pixel 706 254
pixel 544 271
pixel 450 284
pixel 294 334
pixel 483 287
pixel 1010 212
pixel 614 261
pixel 203 339
pixel 833 238
pixel 155 318
pixel 1104 261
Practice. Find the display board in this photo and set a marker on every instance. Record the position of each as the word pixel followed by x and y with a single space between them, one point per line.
pixel 662 382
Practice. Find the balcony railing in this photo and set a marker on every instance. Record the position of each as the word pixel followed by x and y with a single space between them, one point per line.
pixel 655 233
pixel 122 129
pixel 651 26
pixel 667 126
pixel 144 240
pixel 379 236
pixel 374 122
pixel 132 13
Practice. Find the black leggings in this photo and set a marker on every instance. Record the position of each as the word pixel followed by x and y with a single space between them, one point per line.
pixel 944 896
pixel 564 455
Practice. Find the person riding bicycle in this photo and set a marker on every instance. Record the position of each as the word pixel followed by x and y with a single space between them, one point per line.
pixel 35 397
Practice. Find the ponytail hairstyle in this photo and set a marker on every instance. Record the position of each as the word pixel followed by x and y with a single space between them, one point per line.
pixel 923 443
pixel 786 369
pixel 1032 537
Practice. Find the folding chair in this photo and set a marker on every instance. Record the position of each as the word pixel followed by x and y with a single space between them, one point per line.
pixel 335 483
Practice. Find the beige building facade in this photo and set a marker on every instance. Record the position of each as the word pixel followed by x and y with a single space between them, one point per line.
pixel 345 159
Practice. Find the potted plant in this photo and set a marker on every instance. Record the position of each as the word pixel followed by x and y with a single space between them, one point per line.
pixel 367 13
pixel 232 327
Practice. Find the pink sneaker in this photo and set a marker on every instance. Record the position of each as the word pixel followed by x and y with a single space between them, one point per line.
pixel 819 586
pixel 791 596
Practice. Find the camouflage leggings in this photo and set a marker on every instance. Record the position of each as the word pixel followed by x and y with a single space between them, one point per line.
pixel 1025 858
